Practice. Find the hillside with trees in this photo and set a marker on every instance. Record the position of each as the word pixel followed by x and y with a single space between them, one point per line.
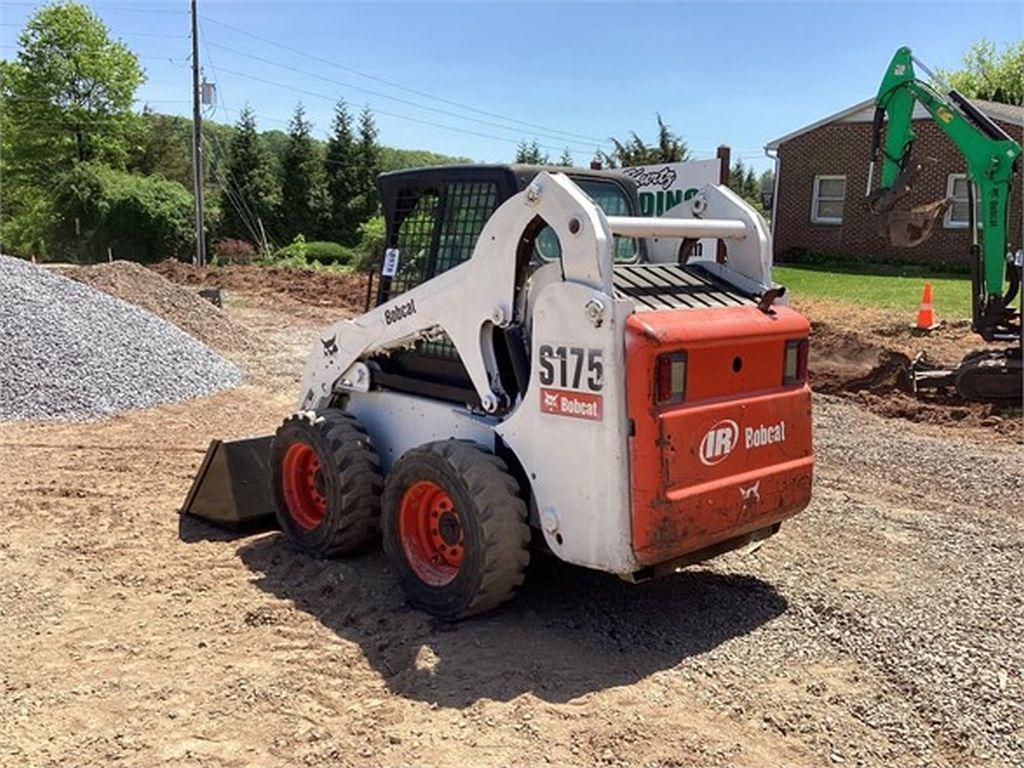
pixel 86 177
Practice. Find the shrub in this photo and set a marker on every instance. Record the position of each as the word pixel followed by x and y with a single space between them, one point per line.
pixel 372 234
pixel 140 218
pixel 231 251
pixel 884 263
pixel 320 251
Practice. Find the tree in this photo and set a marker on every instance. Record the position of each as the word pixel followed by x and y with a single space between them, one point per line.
pixel 165 148
pixel 252 194
pixel 68 94
pixel 991 74
pixel 669 148
pixel 745 183
pixel 65 98
pixel 531 154
pixel 365 204
pixel 566 159
pixel 343 176
pixel 304 200
pixel 144 218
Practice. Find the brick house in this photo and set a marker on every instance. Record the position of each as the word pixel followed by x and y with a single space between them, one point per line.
pixel 821 173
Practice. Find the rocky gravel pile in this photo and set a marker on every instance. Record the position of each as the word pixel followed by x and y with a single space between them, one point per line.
pixel 177 304
pixel 72 352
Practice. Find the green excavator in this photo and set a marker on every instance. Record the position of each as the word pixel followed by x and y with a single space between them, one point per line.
pixel 992 158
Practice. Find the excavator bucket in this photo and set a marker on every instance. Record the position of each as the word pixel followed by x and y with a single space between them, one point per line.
pixel 907 227
pixel 232 487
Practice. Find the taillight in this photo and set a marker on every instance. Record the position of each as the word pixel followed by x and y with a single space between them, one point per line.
pixel 670 378
pixel 794 362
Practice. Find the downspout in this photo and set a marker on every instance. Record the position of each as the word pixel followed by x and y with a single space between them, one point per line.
pixel 775 195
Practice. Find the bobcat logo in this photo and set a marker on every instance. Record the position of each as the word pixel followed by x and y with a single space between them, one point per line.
pixel 330 346
pixel 550 399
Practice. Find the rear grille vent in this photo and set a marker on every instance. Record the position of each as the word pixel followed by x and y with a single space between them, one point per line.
pixel 671 286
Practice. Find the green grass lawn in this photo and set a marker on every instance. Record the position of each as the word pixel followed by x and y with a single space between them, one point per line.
pixel 893 288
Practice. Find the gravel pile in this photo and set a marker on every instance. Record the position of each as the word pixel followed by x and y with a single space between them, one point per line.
pixel 72 352
pixel 177 304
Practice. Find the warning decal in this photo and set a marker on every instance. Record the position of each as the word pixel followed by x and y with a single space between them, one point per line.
pixel 577 405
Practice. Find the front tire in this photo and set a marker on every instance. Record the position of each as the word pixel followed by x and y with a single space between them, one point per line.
pixel 454 528
pixel 327 483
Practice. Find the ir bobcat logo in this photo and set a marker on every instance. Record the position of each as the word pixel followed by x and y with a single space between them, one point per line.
pixel 330 346
pixel 550 399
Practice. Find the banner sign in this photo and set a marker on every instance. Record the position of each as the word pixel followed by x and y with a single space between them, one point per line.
pixel 663 186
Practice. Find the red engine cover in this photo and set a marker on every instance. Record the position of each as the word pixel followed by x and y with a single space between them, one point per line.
pixel 736 454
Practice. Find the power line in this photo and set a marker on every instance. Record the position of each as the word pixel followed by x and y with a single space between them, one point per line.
pixel 133 34
pixel 222 154
pixel 385 95
pixel 246 213
pixel 103 7
pixel 318 95
pixel 401 87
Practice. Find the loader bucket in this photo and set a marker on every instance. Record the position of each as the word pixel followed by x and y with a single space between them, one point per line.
pixel 232 487
pixel 907 227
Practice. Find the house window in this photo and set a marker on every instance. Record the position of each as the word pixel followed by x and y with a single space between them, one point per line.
pixel 958 213
pixel 827 200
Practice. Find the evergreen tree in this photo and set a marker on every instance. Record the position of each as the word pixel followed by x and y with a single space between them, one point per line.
pixel 343 175
pixel 670 148
pixel 304 201
pixel 531 154
pixel 252 197
pixel 365 203
pixel 744 182
pixel 166 148
pixel 566 159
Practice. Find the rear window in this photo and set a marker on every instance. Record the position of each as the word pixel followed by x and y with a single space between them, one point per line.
pixel 610 198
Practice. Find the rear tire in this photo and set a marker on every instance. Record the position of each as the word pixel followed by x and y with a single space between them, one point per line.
pixel 454 528
pixel 327 483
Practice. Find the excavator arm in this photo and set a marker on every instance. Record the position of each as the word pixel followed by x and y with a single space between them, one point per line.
pixel 991 157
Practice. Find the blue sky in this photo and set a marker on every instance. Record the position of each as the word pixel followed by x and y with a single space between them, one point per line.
pixel 569 73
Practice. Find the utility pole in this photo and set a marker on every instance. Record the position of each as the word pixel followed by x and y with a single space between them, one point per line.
pixel 197 143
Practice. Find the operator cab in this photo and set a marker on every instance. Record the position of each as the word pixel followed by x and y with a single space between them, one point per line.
pixel 434 217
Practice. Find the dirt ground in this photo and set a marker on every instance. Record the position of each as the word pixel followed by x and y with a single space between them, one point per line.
pixel 879 627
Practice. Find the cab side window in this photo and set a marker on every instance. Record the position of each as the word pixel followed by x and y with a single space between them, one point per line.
pixel 416 211
pixel 467 207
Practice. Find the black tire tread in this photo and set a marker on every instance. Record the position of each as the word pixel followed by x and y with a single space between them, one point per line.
pixel 502 515
pixel 356 466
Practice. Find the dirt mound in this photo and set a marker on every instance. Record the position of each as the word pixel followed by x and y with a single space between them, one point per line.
pixel 143 287
pixel 873 369
pixel 845 362
pixel 309 287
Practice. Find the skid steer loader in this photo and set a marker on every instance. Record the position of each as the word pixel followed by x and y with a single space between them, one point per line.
pixel 529 379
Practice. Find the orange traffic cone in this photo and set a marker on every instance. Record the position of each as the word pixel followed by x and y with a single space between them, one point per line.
pixel 925 313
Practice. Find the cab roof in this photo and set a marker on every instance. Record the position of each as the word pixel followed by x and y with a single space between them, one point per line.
pixel 511 177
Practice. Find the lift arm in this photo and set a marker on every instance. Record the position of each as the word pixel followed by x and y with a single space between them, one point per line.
pixel 991 157
pixel 468 301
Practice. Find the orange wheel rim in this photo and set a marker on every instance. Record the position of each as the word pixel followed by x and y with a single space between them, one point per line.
pixel 430 532
pixel 302 482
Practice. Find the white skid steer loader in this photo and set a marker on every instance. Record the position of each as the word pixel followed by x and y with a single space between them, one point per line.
pixel 530 380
